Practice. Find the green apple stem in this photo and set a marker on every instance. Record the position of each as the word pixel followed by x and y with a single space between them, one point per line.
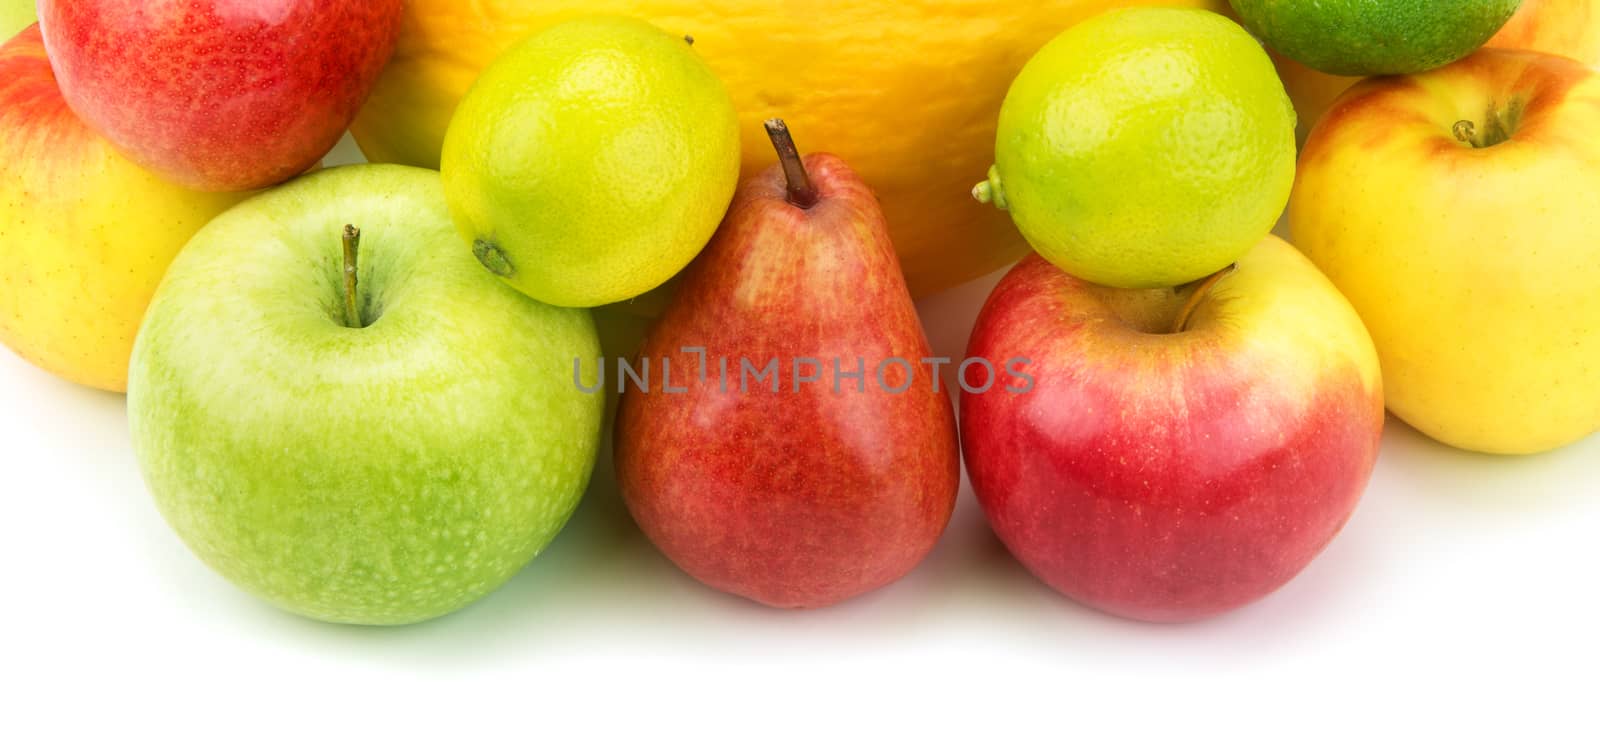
pixel 352 246
pixel 1181 323
pixel 802 193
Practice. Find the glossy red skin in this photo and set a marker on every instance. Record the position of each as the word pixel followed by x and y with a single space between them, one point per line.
pixel 1117 499
pixel 802 499
pixel 219 95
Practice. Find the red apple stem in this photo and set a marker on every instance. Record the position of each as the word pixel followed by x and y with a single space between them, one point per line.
pixel 352 247
pixel 1181 323
pixel 802 193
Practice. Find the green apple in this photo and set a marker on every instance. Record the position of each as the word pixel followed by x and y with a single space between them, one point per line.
pixel 384 462
pixel 15 15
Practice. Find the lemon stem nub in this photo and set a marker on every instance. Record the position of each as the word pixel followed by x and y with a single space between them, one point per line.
pixel 1181 323
pixel 989 191
pixel 492 257
pixel 802 194
pixel 352 246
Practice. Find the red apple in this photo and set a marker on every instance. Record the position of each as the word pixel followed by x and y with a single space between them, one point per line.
pixel 219 94
pixel 1171 454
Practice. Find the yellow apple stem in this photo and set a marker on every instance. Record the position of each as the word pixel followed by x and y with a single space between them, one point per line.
pixel 1181 323
pixel 802 194
pixel 352 245
pixel 1499 125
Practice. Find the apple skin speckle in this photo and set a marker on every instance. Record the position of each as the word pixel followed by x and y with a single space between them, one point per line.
pixel 382 475
pixel 220 95
pixel 1171 477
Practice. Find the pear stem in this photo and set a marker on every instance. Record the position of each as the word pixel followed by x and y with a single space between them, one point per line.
pixel 1181 323
pixel 802 193
pixel 352 247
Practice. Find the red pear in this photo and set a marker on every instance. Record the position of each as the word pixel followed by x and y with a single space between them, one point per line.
pixel 790 442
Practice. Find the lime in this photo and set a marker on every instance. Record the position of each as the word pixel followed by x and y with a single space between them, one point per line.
pixel 1145 147
pixel 592 162
pixel 1362 37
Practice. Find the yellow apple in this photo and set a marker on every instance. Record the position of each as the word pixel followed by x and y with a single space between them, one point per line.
pixel 1570 28
pixel 1459 211
pixel 85 235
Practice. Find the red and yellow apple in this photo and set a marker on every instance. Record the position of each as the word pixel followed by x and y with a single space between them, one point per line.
pixel 85 235
pixel 1459 210
pixel 1570 28
pixel 1178 452
pixel 220 95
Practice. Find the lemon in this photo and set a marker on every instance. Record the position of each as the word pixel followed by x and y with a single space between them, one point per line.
pixel 1362 38
pixel 1145 147
pixel 590 163
pixel 851 77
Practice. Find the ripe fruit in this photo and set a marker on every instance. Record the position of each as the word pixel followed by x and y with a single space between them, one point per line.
pixel 219 95
pixel 1457 210
pixel 379 460
pixel 591 163
pixel 820 64
pixel 1180 453
pixel 1145 147
pixel 807 487
pixel 85 235
pixel 15 15
pixel 1570 28
pixel 1360 37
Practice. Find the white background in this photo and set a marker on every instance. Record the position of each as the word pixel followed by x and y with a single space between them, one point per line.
pixel 1461 599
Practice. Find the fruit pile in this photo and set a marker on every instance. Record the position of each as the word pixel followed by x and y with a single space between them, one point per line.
pixel 373 393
